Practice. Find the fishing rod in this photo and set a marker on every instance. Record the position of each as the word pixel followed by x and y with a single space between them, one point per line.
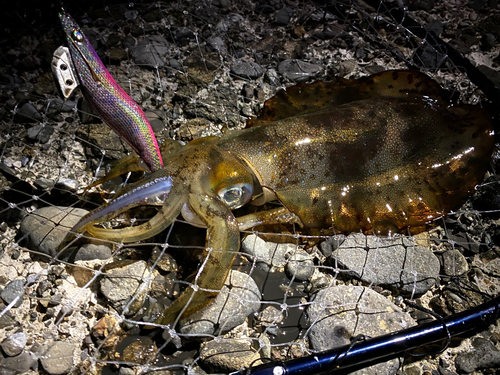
pixel 361 354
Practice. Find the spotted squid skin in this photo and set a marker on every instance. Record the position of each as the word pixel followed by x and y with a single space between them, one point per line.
pixel 115 107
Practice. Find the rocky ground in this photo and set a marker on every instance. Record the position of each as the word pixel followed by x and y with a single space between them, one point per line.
pixel 200 68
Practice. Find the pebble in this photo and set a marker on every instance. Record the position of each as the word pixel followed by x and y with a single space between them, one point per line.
pixel 18 365
pixel 7 319
pixel 300 266
pixel 44 183
pixel 298 71
pixel 215 43
pixel 57 357
pixel 56 105
pixel 150 51
pixel 13 290
pixel 454 263
pixel 228 355
pixel 141 351
pixel 14 344
pixel 282 16
pixel 396 263
pixel 331 244
pixel 247 69
pixel 44 229
pixel 342 312
pixel 266 254
pixel 40 133
pixel 91 251
pixel 484 355
pixel 28 113
pixel 229 309
pixel 122 282
pixel 67 184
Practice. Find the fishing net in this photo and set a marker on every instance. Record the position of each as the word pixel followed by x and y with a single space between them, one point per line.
pixel 197 69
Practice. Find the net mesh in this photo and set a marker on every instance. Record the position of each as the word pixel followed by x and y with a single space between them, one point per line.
pixel 186 78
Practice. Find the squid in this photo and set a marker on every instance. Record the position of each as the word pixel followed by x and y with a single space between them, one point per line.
pixel 382 154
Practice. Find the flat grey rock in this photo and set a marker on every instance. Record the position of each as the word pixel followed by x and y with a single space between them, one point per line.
pixel 396 263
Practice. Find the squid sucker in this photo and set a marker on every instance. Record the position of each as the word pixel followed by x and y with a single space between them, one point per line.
pixel 382 154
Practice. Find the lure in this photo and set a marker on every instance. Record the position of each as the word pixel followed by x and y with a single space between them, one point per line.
pixel 115 107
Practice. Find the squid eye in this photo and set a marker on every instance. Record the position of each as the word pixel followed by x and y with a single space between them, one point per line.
pixel 236 196
pixel 77 34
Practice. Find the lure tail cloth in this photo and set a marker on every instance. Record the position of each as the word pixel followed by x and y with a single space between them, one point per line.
pixel 115 107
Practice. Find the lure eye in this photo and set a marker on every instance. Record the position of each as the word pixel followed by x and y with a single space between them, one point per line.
pixel 77 35
pixel 236 196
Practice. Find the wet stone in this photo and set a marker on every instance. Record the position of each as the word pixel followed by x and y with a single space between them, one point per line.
pixel 121 284
pixel 484 355
pixel 43 229
pixel 229 309
pixel 300 265
pixel 14 344
pixel 228 355
pixel 141 351
pixel 247 69
pixel 298 71
pixel 14 289
pixel 342 312
pixel 396 263
pixel 57 357
pixel 266 254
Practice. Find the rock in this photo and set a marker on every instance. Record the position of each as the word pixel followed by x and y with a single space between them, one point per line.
pixel 239 298
pixel 40 133
pixel 67 184
pixel 150 51
pixel 298 71
pixel 14 289
pixel 396 263
pixel 483 356
pixel 300 265
pixel 282 16
pixel 28 113
pixel 229 355
pixel 266 254
pixel 122 282
pixel 216 44
pixel 57 357
pixel 17 365
pixel 340 313
pixel 141 351
pixel 43 231
pixel 14 344
pixel 91 251
pixel 7 319
pixel 331 244
pixel 247 69
pixel 454 263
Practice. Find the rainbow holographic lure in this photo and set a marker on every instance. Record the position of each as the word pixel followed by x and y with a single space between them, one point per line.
pixel 81 65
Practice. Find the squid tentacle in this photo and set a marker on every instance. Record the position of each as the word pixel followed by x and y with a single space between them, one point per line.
pixel 153 192
pixel 223 241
